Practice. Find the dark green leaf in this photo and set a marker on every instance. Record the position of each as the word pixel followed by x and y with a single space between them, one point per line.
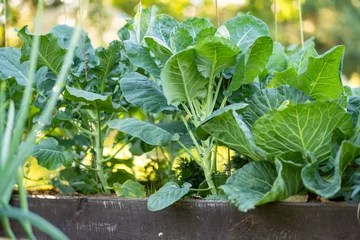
pixel 51 155
pixel 140 57
pixel 50 53
pixel 144 93
pixel 167 195
pixel 231 130
pixel 147 132
pixel 267 100
pixel 278 60
pixel 94 100
pixel 261 182
pixel 130 189
pixel 327 185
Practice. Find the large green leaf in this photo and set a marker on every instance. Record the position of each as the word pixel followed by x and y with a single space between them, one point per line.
pixel 283 78
pixel 231 130
pixel 147 132
pixel 245 29
pixel 93 100
pixel 257 58
pixel 215 54
pixel 161 28
pixel 140 57
pixel 238 107
pixel 10 66
pixel 181 79
pixel 261 182
pixel 51 155
pixel 109 59
pixel 160 52
pixel 267 100
pixel 300 60
pixel 195 25
pixel 144 93
pixel 180 39
pixel 322 78
pixel 50 54
pixel 142 20
pixel 278 60
pixel 64 33
pixel 130 189
pixel 328 184
pixel 302 127
pixel 167 195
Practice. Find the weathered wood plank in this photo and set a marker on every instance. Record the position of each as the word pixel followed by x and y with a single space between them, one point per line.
pixel 129 219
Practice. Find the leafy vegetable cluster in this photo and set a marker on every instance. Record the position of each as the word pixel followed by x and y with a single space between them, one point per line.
pixel 187 88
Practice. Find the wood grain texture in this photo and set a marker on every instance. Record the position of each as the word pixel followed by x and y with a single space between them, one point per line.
pixel 128 219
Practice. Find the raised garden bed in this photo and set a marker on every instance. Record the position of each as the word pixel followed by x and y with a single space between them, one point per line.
pixel 109 218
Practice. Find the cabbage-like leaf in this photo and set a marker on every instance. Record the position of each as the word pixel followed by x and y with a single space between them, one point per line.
pixel 147 132
pixel 267 100
pixel 278 60
pixel 214 54
pixel 167 195
pixel 257 58
pixel 140 57
pixel 109 59
pixel 245 29
pixel 142 20
pixel 160 28
pixel 93 100
pixel 180 39
pixel 51 155
pixel 328 184
pixel 130 189
pixel 301 128
pixel 230 129
pixel 144 93
pixel 322 78
pixel 160 51
pixel 261 182
pixel 50 54
pixel 300 60
pixel 182 81
pixel 195 25
pixel 283 78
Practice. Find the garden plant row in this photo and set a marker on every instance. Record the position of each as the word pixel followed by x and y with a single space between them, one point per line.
pixel 189 87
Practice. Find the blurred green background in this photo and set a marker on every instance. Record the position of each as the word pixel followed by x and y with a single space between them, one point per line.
pixel 331 22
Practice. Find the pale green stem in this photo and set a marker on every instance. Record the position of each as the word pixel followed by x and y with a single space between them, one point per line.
pixel 216 94
pixel 197 146
pixel 35 219
pixel 196 159
pixel 99 149
pixel 7 228
pixel 25 101
pixel 223 102
pixel 23 202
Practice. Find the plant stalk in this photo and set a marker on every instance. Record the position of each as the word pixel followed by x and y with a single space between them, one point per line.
pixel 99 149
pixel 23 202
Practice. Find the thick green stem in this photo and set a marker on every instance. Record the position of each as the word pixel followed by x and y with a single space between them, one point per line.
pixel 208 165
pixel 99 149
pixel 23 203
pixel 7 228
